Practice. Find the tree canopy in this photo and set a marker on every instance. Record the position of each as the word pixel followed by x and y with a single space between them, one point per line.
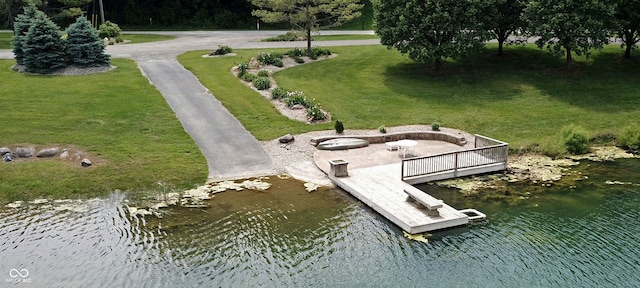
pixel 430 30
pixel 566 26
pixel 307 15
pixel 628 19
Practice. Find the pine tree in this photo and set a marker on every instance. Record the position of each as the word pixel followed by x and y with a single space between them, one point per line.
pixel 20 29
pixel 43 47
pixel 84 47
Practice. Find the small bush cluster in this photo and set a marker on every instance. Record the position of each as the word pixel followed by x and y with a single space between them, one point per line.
pixel 575 140
pixel 314 110
pixel 242 69
pixel 289 36
pixel 316 52
pixel 279 93
pixel 262 83
pixel 270 58
pixel 296 97
pixel 339 127
pixel 630 138
pixel 314 113
pixel 297 52
pixel 248 77
pixel 222 50
pixel 435 126
pixel 109 30
pixel 263 73
pixel 382 129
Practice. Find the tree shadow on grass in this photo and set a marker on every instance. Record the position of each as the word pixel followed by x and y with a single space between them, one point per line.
pixel 603 83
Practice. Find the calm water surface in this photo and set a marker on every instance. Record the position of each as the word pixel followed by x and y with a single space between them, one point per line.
pixel 588 236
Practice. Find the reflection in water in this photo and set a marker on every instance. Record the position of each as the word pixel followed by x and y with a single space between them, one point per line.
pixel 287 237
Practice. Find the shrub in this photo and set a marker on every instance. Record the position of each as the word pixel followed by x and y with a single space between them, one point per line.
pixel 296 97
pixel 298 60
pixel 263 73
pixel 630 138
pixel 435 126
pixel 339 127
pixel 248 77
pixel 297 52
pixel 269 58
pixel 84 47
pixel 109 29
pixel 222 50
pixel 382 129
pixel 278 62
pixel 242 68
pixel 279 93
pixel 317 51
pixel 289 36
pixel 575 140
pixel 314 113
pixel 262 83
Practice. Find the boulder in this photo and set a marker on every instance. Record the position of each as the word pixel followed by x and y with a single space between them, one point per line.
pixel 253 63
pixel 24 152
pixel 64 154
pixel 85 162
pixel 286 139
pixel 49 152
pixel 7 157
pixel 297 107
pixel 4 150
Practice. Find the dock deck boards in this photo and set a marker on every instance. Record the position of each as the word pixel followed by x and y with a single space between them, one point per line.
pixel 381 188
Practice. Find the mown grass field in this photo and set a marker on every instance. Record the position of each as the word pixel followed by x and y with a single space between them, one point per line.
pixel 117 118
pixel 524 98
pixel 6 37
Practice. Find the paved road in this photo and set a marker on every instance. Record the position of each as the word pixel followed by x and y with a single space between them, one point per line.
pixel 231 151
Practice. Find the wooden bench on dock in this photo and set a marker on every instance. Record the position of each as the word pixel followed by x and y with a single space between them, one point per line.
pixel 424 200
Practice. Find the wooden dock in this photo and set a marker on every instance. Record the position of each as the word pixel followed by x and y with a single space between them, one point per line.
pixel 379 177
pixel 382 189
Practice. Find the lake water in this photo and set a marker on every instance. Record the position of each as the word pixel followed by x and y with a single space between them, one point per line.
pixel 556 236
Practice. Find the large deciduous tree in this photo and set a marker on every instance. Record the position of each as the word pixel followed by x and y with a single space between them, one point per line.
pixel 628 18
pixel 431 30
pixel 505 19
pixel 307 15
pixel 84 47
pixel 566 26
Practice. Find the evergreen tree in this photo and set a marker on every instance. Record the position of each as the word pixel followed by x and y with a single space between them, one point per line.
pixel 20 29
pixel 44 47
pixel 84 47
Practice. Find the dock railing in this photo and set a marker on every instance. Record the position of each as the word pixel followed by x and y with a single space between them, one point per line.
pixel 487 156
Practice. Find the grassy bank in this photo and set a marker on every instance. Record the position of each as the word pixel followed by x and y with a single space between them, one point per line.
pixel 143 38
pixel 524 98
pixel 117 118
pixel 5 40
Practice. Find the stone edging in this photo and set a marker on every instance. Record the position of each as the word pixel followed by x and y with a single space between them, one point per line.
pixel 415 135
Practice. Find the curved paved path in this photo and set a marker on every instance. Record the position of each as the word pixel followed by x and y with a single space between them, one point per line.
pixel 231 151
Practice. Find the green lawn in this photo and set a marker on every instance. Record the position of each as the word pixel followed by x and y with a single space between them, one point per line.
pixel 5 40
pixel 344 37
pixel 524 99
pixel 143 38
pixel 118 118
